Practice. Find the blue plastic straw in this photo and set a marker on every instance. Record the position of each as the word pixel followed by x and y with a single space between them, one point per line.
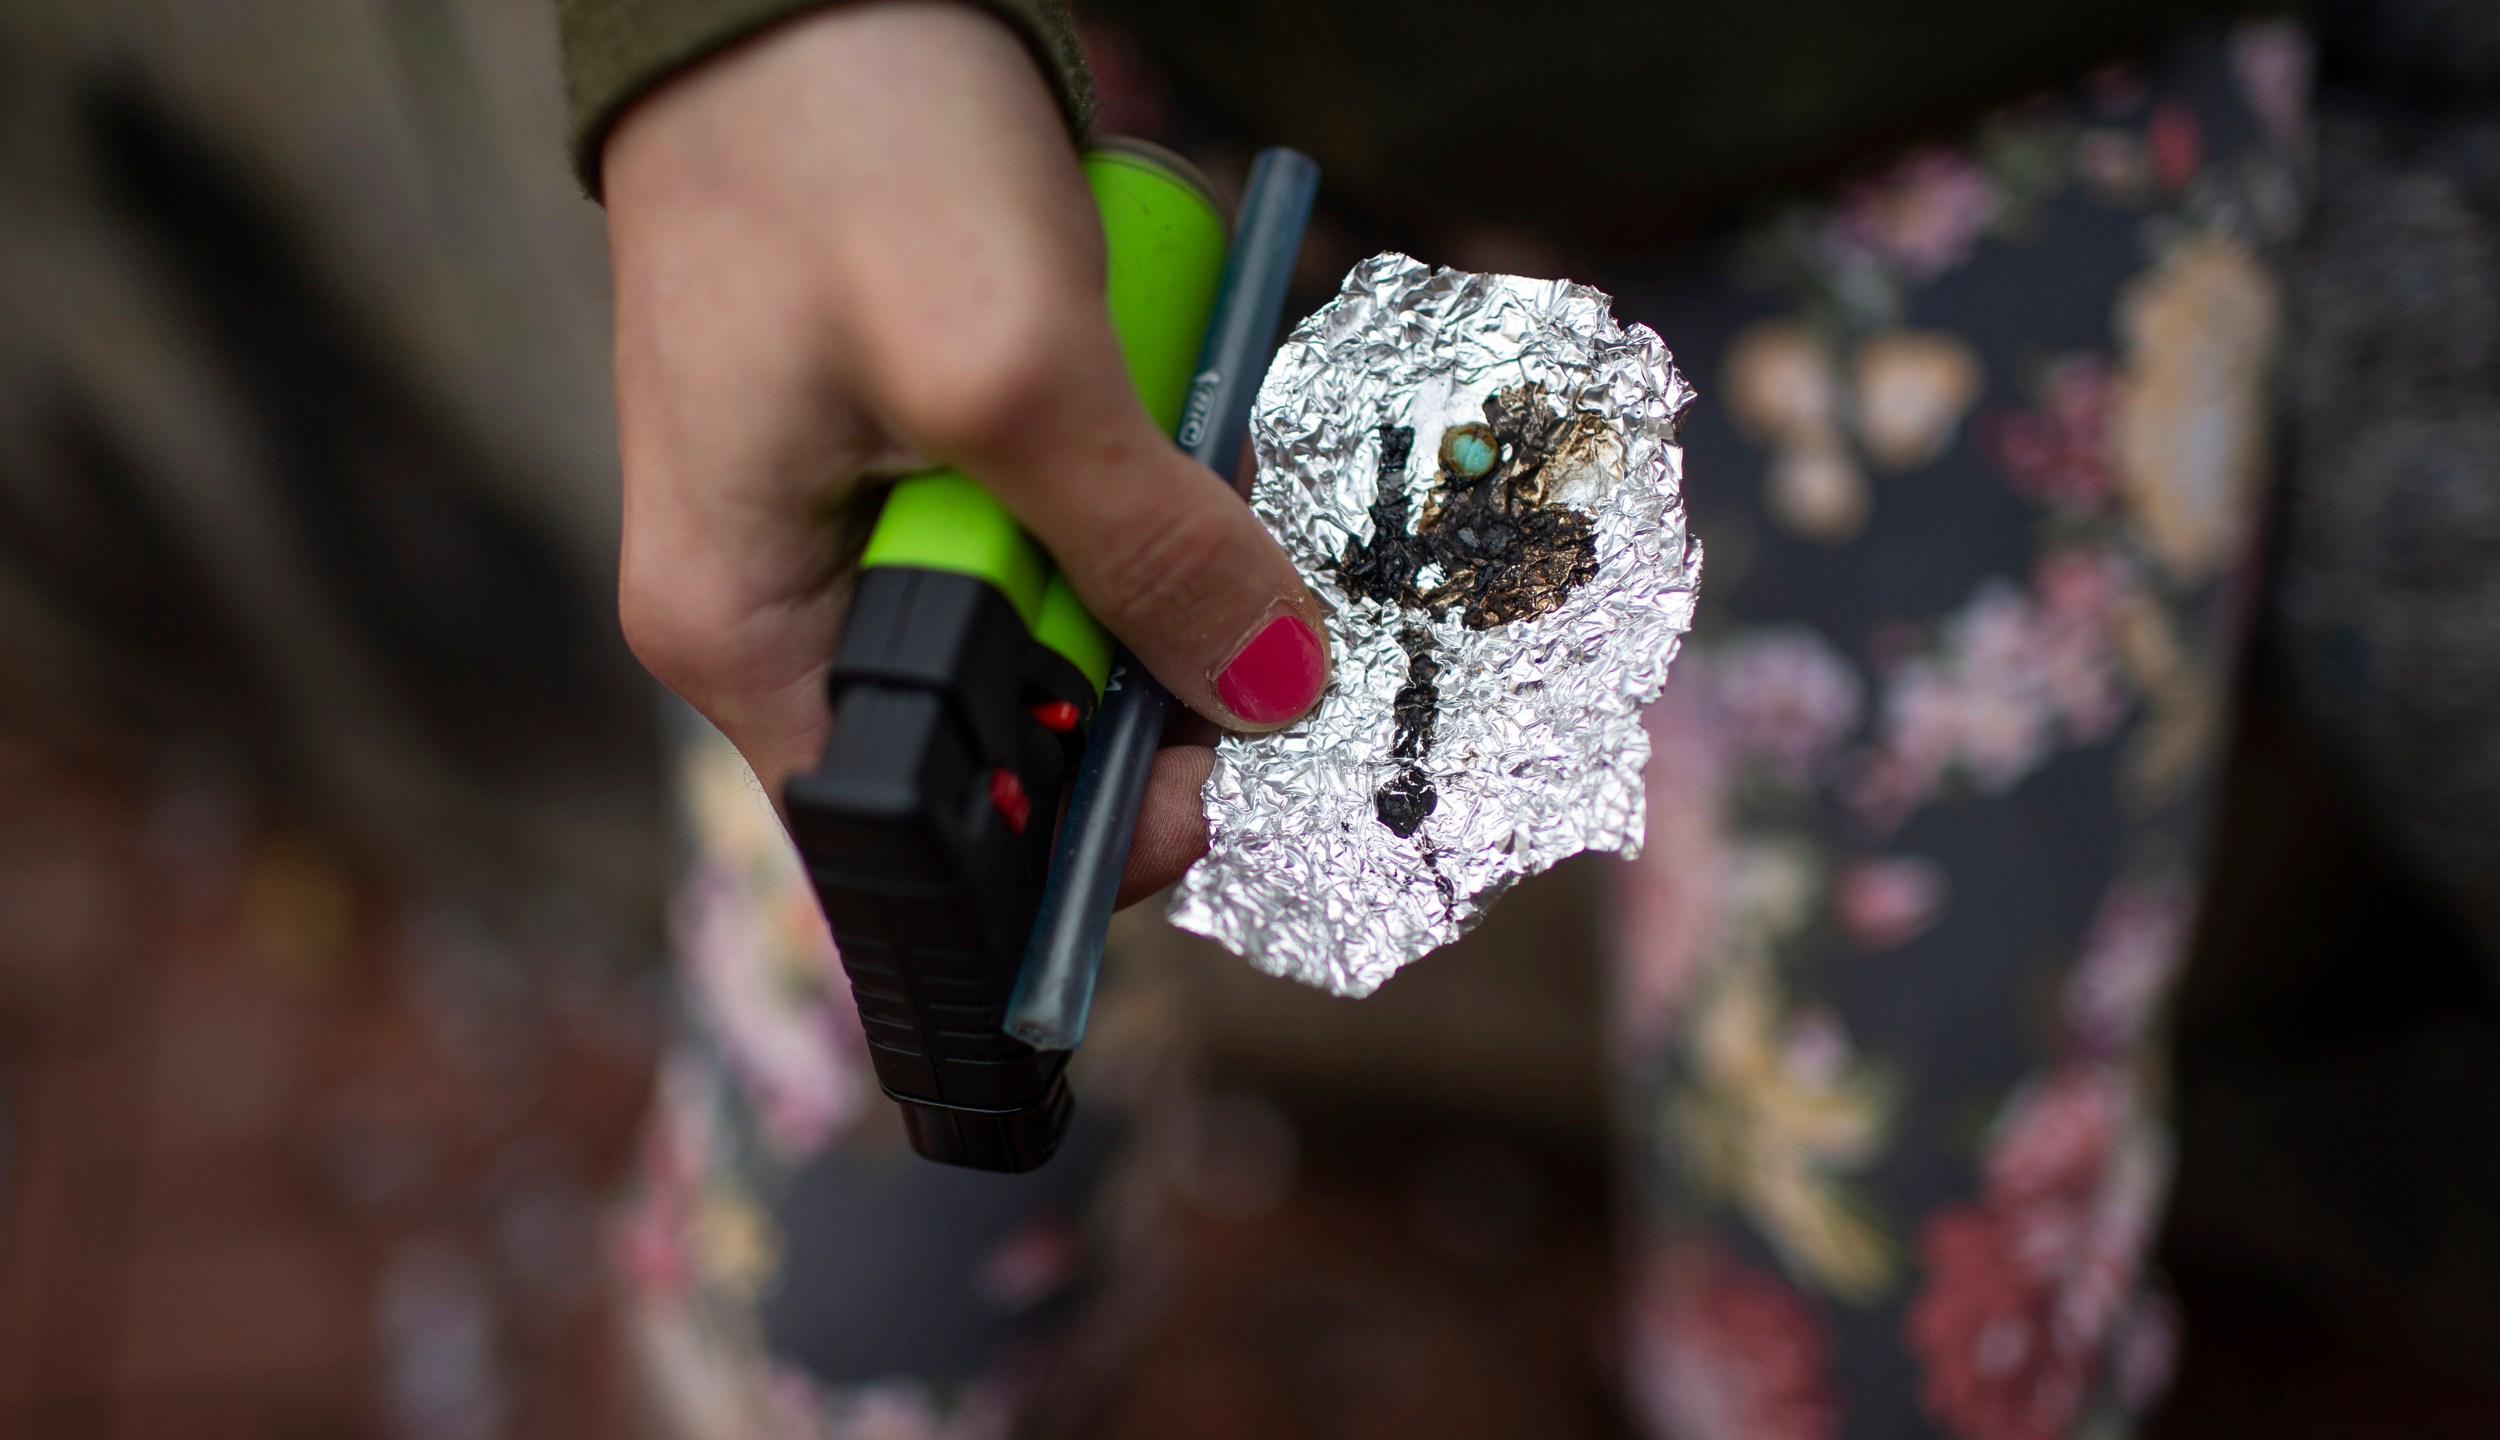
pixel 1056 987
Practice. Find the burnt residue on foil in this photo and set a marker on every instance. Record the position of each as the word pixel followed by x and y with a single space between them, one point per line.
pixel 1500 548
pixel 1492 542
pixel 1478 476
pixel 1407 800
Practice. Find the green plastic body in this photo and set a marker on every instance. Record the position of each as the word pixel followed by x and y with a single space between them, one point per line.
pixel 1164 242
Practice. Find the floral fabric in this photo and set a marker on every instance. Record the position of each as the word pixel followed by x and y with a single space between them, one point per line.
pixel 794 1270
pixel 1980 460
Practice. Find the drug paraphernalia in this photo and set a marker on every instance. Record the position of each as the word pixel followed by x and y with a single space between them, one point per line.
pixel 962 687
pixel 1057 983
pixel 1478 475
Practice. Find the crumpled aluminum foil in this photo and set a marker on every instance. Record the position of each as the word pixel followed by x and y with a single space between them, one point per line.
pixel 1489 711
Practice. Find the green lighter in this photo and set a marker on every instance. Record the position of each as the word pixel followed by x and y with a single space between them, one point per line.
pixel 963 686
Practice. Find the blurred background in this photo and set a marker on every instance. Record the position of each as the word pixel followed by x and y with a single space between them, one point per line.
pixel 338 831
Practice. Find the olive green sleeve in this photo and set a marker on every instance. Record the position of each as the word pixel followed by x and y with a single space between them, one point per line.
pixel 614 50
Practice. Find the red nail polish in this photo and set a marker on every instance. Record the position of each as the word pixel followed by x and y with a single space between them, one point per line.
pixel 1277 675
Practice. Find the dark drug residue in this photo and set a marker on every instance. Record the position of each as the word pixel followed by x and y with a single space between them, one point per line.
pixel 1404 802
pixel 1504 548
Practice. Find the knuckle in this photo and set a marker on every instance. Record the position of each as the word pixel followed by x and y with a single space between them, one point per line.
pixel 1169 561
pixel 677 620
pixel 974 390
pixel 659 627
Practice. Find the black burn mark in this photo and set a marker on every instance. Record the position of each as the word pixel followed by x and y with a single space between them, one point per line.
pixel 1407 799
pixel 1504 551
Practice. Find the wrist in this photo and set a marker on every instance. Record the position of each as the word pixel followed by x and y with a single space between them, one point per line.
pixel 621 53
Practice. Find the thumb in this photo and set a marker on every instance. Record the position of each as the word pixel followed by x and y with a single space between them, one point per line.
pixel 1163 552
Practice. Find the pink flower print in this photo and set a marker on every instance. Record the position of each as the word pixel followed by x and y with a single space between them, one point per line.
pixel 1989 1369
pixel 765 978
pixel 2053 1135
pixel 1723 1352
pixel 2076 594
pixel 2273 61
pixel 1672 898
pixel 907 1410
pixel 2145 1354
pixel 649 1240
pixel 1922 738
pixel 1925 215
pixel 2012 676
pixel 1786 699
pixel 2174 144
pixel 2079 587
pixel 2005 719
pixel 2134 947
pixel 1883 903
pixel 1885 785
pixel 1978 706
pixel 2059 453
pixel 1817 1052
pixel 774 997
pixel 2027 1287
pixel 2103 1274
pixel 797 1404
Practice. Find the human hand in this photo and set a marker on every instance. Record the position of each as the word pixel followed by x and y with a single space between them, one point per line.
pixel 856 245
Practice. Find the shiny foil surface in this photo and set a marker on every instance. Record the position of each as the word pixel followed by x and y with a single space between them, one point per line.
pixel 1483 719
